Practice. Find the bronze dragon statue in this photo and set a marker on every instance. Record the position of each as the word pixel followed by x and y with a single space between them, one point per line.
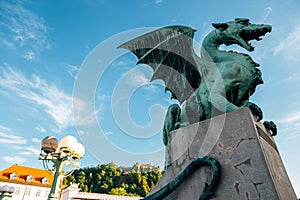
pixel 213 83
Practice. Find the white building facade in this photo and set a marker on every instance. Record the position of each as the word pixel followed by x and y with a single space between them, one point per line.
pixel 29 183
pixel 72 193
pixel 35 184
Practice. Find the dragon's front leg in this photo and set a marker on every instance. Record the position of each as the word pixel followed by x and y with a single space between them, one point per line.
pixel 171 123
pixel 255 110
pixel 269 125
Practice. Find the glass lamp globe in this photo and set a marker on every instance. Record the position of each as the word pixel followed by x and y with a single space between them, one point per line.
pixel 49 144
pixel 80 150
pixel 4 188
pixel 58 148
pixel 68 144
pixel 11 189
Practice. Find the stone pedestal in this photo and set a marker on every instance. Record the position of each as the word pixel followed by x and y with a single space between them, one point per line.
pixel 250 162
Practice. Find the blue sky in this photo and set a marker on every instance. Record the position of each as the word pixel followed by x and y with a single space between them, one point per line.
pixel 46 47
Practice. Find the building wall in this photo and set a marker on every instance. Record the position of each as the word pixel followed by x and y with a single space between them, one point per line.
pixel 28 192
pixel 29 183
pixel 72 192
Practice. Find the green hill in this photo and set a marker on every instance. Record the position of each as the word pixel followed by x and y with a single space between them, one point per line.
pixel 112 179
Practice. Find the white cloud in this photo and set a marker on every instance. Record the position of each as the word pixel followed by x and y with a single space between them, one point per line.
pixel 290 46
pixel 119 63
pixel 23 29
pixel 40 129
pixel 108 133
pixel 54 101
pixel 123 64
pixel 30 55
pixel 7 136
pixel 33 150
pixel 36 140
pixel 72 70
pixel 136 78
pixel 290 124
pixel 268 12
pixel 5 129
pixel 293 77
pixel 101 98
pixel 81 132
pixel 14 159
pixel 158 1
pixel 293 118
pixel 27 150
pixel 24 153
pixel 19 143
pixel 83 114
pixel 11 139
pixel 8 44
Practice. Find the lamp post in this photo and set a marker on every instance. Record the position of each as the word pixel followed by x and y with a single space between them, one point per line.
pixel 6 192
pixel 60 158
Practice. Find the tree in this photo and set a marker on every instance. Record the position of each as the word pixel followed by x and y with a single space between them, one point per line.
pixel 110 179
pixel 118 191
pixel 81 180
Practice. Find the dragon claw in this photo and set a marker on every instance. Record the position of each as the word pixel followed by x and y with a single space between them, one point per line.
pixel 181 124
pixel 177 125
pixel 255 110
pixel 271 126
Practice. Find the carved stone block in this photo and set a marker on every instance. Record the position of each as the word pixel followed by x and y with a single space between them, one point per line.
pixel 250 162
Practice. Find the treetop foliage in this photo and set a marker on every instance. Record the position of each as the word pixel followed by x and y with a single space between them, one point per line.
pixel 112 179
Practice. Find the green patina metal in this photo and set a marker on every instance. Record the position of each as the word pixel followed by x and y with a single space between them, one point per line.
pixel 189 170
pixel 271 126
pixel 213 83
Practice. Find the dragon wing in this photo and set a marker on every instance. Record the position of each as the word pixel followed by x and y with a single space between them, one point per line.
pixel 169 51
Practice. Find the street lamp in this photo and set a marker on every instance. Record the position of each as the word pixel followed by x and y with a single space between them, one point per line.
pixel 6 192
pixel 60 158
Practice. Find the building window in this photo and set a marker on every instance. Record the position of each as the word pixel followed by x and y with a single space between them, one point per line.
pixel 28 192
pixel 29 178
pixel 45 180
pixel 13 176
pixel 38 193
pixel 46 194
pixel 17 191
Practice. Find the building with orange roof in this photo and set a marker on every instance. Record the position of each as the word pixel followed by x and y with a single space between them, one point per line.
pixel 35 184
pixel 29 183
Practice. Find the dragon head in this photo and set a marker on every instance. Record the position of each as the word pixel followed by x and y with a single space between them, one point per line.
pixel 241 32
